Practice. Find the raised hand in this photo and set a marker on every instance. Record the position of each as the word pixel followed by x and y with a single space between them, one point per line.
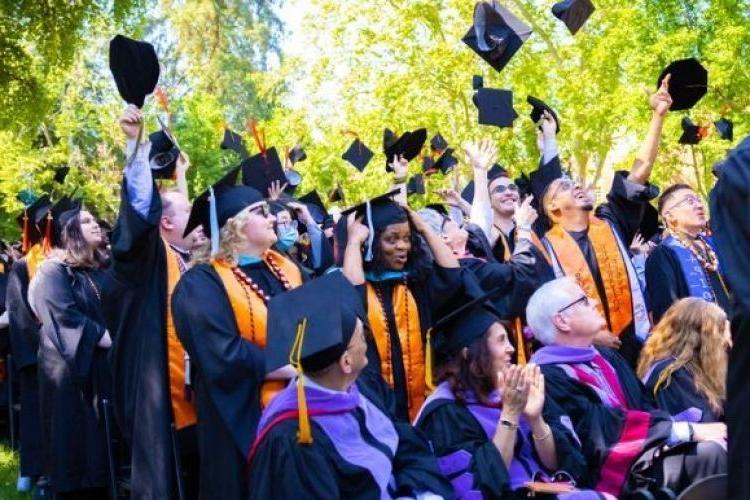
pixel 275 190
pixel 130 121
pixel 400 167
pixel 355 230
pixel 480 155
pixel 549 125
pixel 535 400
pixel 302 211
pixel 183 163
pixel 525 214
pixel 661 100
pixel 451 197
pixel 514 389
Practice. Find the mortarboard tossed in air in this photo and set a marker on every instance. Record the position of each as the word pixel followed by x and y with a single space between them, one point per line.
pixel 725 127
pixel 688 84
pixel 428 166
pixel 692 133
pixel 493 173
pixel 262 170
pixel 438 144
pixel 61 173
pixel 538 107
pixel 477 82
pixel 377 213
pixel 496 35
pixel 415 185
pixel 336 194
pixel 358 155
pixel 574 13
pixel 163 154
pixel 495 107
pixel 135 68
pixel 447 162
pixel 297 154
pixel 315 205
pixel 233 142
pixel 409 145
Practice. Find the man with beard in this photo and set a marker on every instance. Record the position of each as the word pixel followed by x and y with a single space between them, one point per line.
pixel 152 396
pixel 591 246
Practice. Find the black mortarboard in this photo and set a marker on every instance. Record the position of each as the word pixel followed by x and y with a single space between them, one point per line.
pixel 477 82
pixel 538 107
pixel 691 133
pixel 447 162
pixel 688 84
pixel 495 107
pixel 200 214
pixel 438 143
pixel 428 165
pixel 163 154
pixel 574 13
pixel 135 67
pixel 63 212
pixel 462 326
pixel 261 170
pixel 358 155
pixel 377 213
pixel 297 154
pixel 336 194
pixel 329 306
pixel 315 205
pixel 409 145
pixel 389 137
pixel 293 179
pixel 496 34
pixel 233 142
pixel 725 127
pixel 415 185
pixel 493 173
pixel 61 173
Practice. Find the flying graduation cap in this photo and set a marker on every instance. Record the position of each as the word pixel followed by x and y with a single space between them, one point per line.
pixel 446 162
pixel 163 154
pixel 438 144
pixel 477 82
pixel 688 83
pixel 495 107
pixel 296 154
pixel 725 127
pixel 574 13
pixel 408 145
pixel 692 133
pixel 415 185
pixel 61 172
pixel 233 142
pixel 538 107
pixel 496 35
pixel 358 154
pixel 262 170
pixel 336 194
pixel 135 68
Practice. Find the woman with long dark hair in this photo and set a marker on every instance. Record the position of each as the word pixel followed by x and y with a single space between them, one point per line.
pixel 74 376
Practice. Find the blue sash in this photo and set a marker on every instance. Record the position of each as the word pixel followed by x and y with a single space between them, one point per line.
pixel 695 276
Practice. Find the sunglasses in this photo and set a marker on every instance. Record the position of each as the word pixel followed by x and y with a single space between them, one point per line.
pixel 501 189
pixel 580 300
pixel 262 209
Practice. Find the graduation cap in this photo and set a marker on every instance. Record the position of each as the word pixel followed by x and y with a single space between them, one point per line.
pixel 496 35
pixel 315 205
pixel 377 213
pixel 428 166
pixel 65 210
pixel 297 154
pixel 688 84
pixel 538 107
pixel 163 154
pixel 293 179
pixel 28 220
pixel 389 137
pixel 574 13
pixel 135 68
pixel 725 127
pixel 200 213
pixel 61 173
pixel 263 169
pixel 477 82
pixel 233 142
pixel 692 133
pixel 409 145
pixel 495 107
pixel 310 327
pixel 415 185
pixel 336 194
pixel 438 144
pixel 493 173
pixel 447 162
pixel 358 155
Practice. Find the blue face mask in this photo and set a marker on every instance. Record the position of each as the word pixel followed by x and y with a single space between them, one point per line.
pixel 287 239
pixel 244 260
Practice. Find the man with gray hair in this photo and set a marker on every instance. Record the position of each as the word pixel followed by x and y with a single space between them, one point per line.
pixel 629 443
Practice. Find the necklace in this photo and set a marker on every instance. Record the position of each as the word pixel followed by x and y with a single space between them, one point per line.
pixel 247 281
pixel 93 286
pixel 702 251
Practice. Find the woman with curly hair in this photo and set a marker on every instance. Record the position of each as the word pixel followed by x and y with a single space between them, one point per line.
pixel 684 361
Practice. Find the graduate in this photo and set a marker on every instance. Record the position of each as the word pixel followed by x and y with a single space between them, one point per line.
pixel 326 436
pixel 684 362
pixel 74 376
pixel 628 442
pixel 219 310
pixel 592 246
pixel 23 329
pixel 488 421
pixel 150 253
pixel 685 263
pixel 729 222
pixel 401 290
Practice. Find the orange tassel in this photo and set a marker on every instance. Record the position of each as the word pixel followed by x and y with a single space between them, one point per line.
pixel 430 382
pixel 47 242
pixel 25 237
pixel 295 359
pixel 259 136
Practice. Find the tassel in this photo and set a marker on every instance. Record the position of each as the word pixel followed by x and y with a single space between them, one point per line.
pixel 295 358
pixel 428 362
pixel 213 222
pixel 371 236
pixel 520 343
pixel 47 242
pixel 25 239
pixel 259 136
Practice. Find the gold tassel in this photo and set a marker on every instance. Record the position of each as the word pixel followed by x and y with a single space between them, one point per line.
pixel 25 236
pixel 520 343
pixel 429 381
pixel 47 243
pixel 295 358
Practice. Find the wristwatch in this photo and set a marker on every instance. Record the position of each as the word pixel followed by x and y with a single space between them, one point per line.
pixel 508 424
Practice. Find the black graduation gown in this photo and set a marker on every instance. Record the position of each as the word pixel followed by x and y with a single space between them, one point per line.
pixel 282 468
pixel 73 376
pixel 227 375
pixel 24 344
pixel 679 394
pixel 666 284
pixel 450 428
pixel 134 300
pixel 730 201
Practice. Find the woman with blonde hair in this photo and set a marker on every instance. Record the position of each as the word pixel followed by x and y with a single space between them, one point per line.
pixel 684 361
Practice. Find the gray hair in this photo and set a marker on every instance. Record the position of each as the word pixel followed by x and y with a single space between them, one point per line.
pixel 434 219
pixel 545 303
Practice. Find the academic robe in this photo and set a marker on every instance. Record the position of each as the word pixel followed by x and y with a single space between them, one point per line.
pixel 357 450
pixel 666 282
pixel 227 371
pixel 678 395
pixel 461 437
pixel 730 202
pixel 24 344
pixel 618 422
pixel 74 375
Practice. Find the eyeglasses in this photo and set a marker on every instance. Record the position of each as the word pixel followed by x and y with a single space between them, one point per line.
pixel 691 200
pixel 562 185
pixel 292 224
pixel 580 300
pixel 262 209
pixel 501 189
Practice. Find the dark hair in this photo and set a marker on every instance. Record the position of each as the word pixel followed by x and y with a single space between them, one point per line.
pixel 418 259
pixel 75 250
pixel 668 194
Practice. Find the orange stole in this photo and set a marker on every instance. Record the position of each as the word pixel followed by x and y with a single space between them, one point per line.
pixel 409 334
pixel 34 258
pixel 183 411
pixel 250 312
pixel 611 266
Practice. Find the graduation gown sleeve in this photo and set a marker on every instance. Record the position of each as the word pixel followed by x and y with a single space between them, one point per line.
pixel 23 325
pixel 663 281
pixel 625 205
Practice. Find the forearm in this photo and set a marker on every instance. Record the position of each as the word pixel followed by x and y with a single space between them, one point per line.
pixel 481 211
pixel 139 181
pixel 544 443
pixel 441 253
pixel 644 160
pixel 400 197
pixel 353 267
pixel 505 441
pixel 316 243
pixel 549 149
pixel 182 185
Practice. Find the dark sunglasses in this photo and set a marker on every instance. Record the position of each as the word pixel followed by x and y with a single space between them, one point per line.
pixel 502 188
pixel 263 210
pixel 581 300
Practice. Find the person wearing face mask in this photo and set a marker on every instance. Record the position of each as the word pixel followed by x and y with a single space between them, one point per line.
pixel 74 376
pixel 220 313
pixel 685 263
pixel 299 236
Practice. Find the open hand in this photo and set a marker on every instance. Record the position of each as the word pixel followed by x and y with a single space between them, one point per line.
pixel 661 100
pixel 355 230
pixel 535 400
pixel 480 155
pixel 275 190
pixel 525 214
pixel 513 386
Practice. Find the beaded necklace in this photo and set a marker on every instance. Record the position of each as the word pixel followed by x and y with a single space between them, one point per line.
pixel 700 249
pixel 247 281
pixel 394 328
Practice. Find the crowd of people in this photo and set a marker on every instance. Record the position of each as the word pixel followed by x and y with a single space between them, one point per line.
pixel 515 340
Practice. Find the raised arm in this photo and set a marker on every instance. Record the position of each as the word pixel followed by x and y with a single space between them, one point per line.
pixel 357 233
pixel 660 102
pixel 440 251
pixel 400 173
pixel 481 155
